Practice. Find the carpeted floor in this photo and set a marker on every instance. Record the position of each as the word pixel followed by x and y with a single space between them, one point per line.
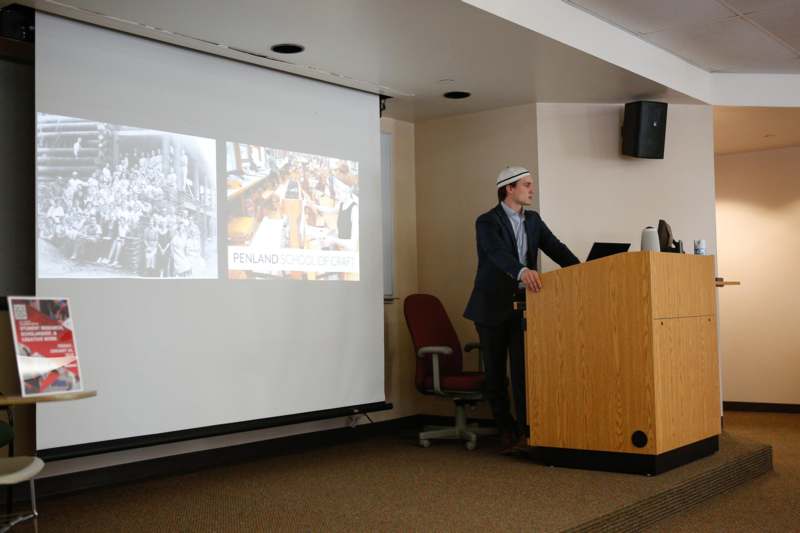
pixel 390 484
pixel 768 503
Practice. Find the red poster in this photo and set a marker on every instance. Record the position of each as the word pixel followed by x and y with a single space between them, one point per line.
pixel 47 359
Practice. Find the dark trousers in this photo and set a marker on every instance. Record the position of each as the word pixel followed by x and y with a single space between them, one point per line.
pixel 501 344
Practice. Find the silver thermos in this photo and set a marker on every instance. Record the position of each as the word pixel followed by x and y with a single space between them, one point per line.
pixel 650 241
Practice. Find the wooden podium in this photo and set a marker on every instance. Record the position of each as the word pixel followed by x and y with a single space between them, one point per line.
pixel 621 363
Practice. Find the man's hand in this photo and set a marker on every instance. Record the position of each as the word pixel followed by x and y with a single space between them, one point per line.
pixel 530 278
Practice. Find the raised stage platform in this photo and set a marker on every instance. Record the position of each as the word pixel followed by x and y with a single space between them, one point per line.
pixel 567 499
pixel 635 502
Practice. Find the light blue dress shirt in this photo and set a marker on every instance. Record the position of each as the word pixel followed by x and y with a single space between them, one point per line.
pixel 518 227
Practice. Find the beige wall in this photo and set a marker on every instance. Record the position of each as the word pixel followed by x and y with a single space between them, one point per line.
pixel 444 178
pixel 589 192
pixel 458 159
pixel 758 213
pixel 399 352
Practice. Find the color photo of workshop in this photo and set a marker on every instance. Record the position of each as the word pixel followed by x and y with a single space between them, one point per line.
pixel 291 214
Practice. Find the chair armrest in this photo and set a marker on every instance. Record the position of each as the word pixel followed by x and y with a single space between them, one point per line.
pixel 434 352
pixel 429 350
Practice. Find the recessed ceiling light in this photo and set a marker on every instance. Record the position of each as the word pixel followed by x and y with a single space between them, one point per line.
pixel 287 48
pixel 456 95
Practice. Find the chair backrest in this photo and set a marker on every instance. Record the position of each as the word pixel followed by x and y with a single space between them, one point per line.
pixel 429 326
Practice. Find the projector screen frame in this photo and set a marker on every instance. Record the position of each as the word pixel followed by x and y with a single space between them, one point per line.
pixel 158 438
pixel 193 44
pixel 144 441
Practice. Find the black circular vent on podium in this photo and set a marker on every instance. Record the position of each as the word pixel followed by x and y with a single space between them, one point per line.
pixel 639 439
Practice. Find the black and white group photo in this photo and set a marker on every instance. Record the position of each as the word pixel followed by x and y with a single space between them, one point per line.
pixel 122 202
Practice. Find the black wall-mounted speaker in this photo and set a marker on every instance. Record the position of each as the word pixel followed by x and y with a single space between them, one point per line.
pixel 17 22
pixel 643 129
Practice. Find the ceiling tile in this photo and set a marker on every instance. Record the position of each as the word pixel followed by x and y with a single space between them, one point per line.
pixel 647 16
pixel 732 45
pixel 783 22
pixel 753 6
pixel 369 43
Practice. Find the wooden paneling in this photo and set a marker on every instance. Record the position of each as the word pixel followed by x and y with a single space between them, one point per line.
pixel 589 371
pixel 686 370
pixel 623 344
pixel 683 285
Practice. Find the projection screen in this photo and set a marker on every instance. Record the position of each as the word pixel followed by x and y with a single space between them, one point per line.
pixel 216 227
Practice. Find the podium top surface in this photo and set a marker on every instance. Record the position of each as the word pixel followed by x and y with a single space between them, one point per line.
pixel 656 256
pixel 664 284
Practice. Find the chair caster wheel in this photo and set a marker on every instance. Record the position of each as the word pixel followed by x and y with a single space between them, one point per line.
pixel 470 445
pixel 425 443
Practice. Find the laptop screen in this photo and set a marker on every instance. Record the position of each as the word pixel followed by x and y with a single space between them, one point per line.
pixel 604 249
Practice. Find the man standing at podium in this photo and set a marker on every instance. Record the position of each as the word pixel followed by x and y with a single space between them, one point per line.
pixel 509 238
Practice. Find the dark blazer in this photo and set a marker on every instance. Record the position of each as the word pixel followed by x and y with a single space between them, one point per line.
pixel 496 282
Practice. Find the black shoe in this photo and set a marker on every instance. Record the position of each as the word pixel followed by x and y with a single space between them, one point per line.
pixel 507 441
pixel 514 445
pixel 520 446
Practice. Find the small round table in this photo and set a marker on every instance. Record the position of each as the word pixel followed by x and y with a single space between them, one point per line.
pixel 9 402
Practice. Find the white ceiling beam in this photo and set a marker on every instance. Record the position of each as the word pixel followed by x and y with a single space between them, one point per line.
pixel 578 29
pixel 574 27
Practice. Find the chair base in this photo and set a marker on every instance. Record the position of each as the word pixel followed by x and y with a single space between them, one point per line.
pixel 461 431
pixel 9 521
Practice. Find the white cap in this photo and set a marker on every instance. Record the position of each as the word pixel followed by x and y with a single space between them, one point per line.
pixel 511 175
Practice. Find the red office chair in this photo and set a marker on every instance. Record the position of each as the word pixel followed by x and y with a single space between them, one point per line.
pixel 440 368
